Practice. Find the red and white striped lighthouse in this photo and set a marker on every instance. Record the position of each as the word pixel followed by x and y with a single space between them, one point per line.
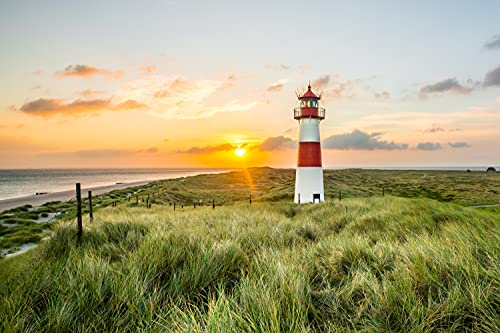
pixel 309 175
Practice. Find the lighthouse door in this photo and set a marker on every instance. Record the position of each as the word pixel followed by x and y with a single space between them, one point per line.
pixel 316 196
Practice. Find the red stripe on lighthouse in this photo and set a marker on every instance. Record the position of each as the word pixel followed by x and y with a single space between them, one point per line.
pixel 308 112
pixel 309 154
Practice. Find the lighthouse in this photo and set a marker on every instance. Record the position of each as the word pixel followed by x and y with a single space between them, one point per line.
pixel 309 174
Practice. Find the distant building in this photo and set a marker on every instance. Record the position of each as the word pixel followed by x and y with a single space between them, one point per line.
pixel 491 169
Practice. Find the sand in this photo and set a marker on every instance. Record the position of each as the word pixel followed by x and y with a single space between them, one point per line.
pixel 37 200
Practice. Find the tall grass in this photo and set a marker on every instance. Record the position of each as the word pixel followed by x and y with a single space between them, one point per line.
pixel 379 264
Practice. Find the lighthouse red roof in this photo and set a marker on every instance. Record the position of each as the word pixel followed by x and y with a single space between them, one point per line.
pixel 309 94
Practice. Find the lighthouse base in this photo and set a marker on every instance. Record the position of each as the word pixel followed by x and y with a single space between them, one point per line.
pixel 309 185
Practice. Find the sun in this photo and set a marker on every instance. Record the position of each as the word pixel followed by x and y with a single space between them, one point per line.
pixel 240 151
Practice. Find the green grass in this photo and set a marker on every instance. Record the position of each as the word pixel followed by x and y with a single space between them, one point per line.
pixel 268 185
pixel 374 264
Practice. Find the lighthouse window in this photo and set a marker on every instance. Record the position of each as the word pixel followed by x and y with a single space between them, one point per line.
pixel 310 103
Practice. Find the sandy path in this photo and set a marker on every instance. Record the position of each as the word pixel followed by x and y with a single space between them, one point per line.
pixel 37 200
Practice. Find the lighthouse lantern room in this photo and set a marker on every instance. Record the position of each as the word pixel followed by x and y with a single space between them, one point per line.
pixel 309 174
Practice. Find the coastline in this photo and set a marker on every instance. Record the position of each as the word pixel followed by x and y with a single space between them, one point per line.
pixel 38 200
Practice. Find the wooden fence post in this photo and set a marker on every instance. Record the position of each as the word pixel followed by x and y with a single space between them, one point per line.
pixel 213 203
pixel 383 191
pixel 340 195
pixel 79 210
pixel 174 205
pixel 250 199
pixel 91 213
pixel 137 199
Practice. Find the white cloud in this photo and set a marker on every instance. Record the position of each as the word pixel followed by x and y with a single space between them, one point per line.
pixel 179 98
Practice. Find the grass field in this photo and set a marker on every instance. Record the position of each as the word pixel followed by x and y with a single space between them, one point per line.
pixel 23 225
pixel 382 264
pixel 366 263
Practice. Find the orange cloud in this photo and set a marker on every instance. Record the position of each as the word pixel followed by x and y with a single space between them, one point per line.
pixel 180 98
pixel 89 92
pixel 208 149
pixel 149 69
pixel 277 86
pixel 46 107
pixel 178 86
pixel 87 71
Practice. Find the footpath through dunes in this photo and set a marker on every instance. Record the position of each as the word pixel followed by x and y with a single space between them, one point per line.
pixel 381 264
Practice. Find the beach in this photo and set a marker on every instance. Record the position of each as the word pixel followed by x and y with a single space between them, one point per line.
pixel 38 200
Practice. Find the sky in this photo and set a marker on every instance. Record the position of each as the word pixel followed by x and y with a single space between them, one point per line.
pixel 157 83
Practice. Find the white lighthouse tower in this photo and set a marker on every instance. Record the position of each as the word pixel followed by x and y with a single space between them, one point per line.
pixel 309 175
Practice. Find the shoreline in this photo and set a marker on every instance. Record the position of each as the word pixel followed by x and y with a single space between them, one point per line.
pixel 38 200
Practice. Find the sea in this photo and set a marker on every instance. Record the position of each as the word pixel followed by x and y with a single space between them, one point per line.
pixel 20 183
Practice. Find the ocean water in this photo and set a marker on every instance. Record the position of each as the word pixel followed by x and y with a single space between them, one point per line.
pixel 19 183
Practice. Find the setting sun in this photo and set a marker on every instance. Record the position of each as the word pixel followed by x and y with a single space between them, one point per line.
pixel 240 151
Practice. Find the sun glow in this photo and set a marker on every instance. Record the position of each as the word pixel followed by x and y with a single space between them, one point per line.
pixel 240 151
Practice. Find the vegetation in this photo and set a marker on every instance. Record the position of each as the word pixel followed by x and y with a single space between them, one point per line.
pixel 31 224
pixel 377 264
pixel 364 263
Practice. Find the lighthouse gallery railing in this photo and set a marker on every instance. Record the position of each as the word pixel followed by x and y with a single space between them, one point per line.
pixel 297 113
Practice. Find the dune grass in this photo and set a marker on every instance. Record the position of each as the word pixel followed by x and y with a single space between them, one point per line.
pixel 263 185
pixel 376 264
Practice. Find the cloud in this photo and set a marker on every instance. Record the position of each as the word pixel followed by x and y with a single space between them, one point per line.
pixel 341 90
pixel 434 129
pixel 448 85
pixel 492 78
pixel 428 146
pixel 277 86
pixel 277 143
pixel 359 140
pixel 321 82
pixel 46 107
pixel 89 92
pixel 178 86
pixel 493 43
pixel 382 95
pixel 181 98
pixel 148 69
pixel 458 144
pixel 230 82
pixel 87 71
pixel 208 149
pixel 278 68
pixel 38 72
